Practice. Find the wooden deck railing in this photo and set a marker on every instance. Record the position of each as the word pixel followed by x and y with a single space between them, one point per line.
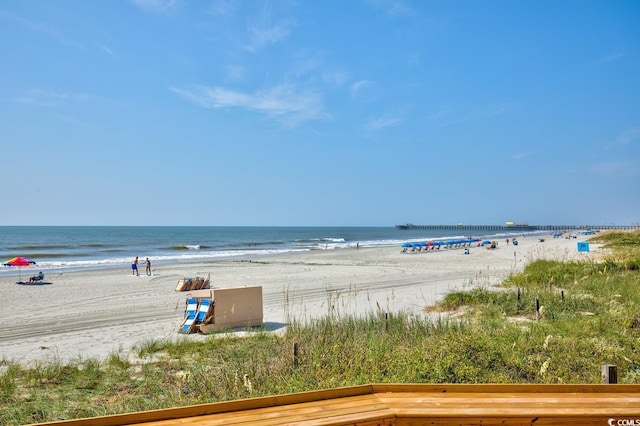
pixel 409 405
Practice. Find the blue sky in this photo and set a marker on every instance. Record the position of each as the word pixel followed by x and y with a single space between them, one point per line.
pixel 328 113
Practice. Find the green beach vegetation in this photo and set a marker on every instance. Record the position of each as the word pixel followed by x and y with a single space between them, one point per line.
pixel 556 322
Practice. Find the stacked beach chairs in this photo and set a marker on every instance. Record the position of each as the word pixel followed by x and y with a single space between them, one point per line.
pixel 213 310
pixel 197 283
pixel 198 311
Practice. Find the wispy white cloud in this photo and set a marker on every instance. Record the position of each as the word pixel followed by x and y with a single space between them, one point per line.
pixel 164 7
pixel 334 78
pixel 414 60
pixel 490 110
pixel 393 7
pixel 305 63
pixel 629 136
pixel 46 30
pixel 285 103
pixel 615 169
pixel 521 155
pixel 440 114
pixel 358 86
pixel 625 138
pixel 389 120
pixel 267 35
pixel 479 113
pixel 49 98
pixel 310 65
pixel 236 72
pixel 223 8
pixel 73 121
pixel 267 28
pixel 109 52
pixel 613 56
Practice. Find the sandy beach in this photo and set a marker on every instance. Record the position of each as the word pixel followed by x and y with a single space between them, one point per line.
pixel 92 314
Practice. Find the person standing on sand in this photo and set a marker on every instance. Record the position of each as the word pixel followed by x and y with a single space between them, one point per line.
pixel 134 267
pixel 148 266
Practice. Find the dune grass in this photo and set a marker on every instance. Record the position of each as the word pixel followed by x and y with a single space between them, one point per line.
pixel 588 316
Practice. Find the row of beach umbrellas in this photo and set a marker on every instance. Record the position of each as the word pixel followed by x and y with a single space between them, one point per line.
pixel 447 243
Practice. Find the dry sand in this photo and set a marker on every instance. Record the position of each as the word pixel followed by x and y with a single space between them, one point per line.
pixel 92 314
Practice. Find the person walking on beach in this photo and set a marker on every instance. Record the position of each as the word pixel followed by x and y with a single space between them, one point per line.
pixel 134 267
pixel 148 271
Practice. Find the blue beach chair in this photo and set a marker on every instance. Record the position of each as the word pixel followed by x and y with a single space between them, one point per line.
pixel 203 310
pixel 190 314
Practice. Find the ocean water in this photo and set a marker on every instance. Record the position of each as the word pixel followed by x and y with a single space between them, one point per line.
pixel 64 248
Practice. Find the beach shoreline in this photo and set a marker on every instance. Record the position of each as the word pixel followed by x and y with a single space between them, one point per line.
pixel 95 313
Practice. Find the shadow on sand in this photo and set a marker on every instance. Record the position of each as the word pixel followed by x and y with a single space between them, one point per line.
pixel 35 283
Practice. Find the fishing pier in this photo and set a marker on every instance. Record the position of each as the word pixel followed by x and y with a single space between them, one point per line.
pixel 515 227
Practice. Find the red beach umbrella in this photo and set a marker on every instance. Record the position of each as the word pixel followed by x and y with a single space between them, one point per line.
pixel 19 262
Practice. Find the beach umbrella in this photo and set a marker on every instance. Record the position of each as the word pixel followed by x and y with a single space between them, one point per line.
pixel 19 262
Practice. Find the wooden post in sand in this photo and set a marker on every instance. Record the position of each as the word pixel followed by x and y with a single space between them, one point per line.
pixel 609 374
pixel 295 355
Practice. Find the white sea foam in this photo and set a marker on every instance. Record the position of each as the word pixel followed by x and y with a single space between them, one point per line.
pixel 126 262
pixel 77 248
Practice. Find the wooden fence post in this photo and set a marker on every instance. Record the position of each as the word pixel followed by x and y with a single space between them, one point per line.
pixel 609 374
pixel 295 355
